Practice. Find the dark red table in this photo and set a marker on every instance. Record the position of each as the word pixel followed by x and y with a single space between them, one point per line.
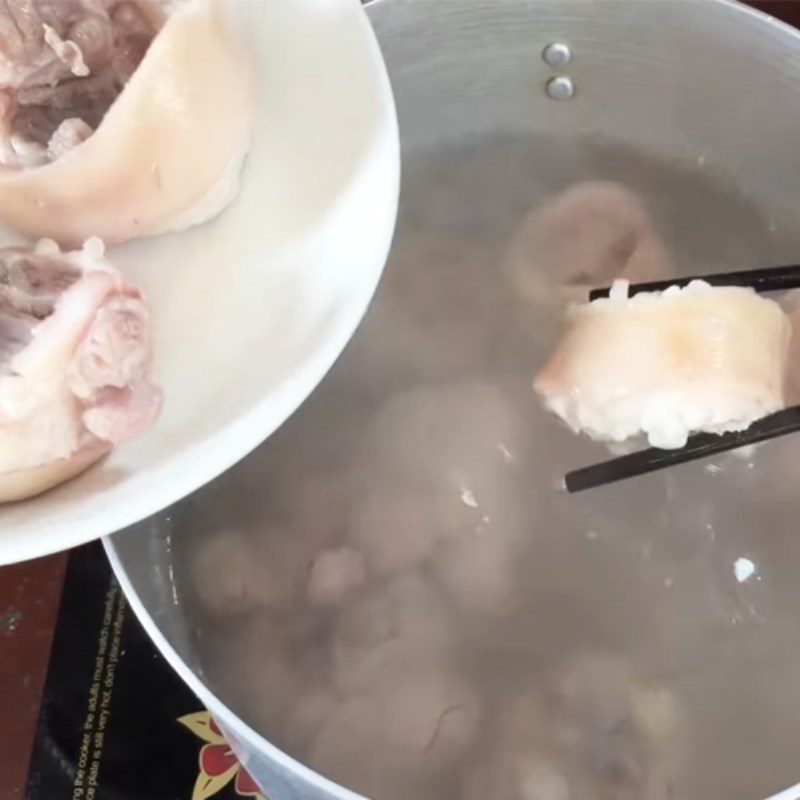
pixel 29 596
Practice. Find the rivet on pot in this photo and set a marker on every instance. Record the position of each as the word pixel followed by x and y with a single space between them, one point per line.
pixel 560 88
pixel 557 54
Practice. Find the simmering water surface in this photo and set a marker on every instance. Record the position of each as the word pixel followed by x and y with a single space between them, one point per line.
pixel 396 590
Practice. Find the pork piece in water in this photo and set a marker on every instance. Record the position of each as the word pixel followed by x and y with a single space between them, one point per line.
pixel 402 624
pixel 265 664
pixel 587 236
pixel 442 490
pixel 401 737
pixel 335 575
pixel 589 732
pixel 62 65
pixel 620 733
pixel 437 313
pixel 74 355
pixel 236 572
pixel 462 441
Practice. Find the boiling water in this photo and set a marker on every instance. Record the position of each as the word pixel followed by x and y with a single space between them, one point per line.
pixel 396 590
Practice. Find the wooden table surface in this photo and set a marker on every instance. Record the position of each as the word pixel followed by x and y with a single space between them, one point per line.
pixel 29 595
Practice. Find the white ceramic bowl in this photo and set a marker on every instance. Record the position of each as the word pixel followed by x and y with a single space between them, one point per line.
pixel 251 310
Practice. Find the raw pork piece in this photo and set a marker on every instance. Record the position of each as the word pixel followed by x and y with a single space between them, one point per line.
pixel 670 363
pixel 74 355
pixel 119 118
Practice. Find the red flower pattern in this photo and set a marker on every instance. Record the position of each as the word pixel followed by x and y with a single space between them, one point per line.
pixel 218 763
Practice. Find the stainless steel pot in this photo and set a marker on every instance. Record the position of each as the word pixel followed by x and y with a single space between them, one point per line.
pixel 708 84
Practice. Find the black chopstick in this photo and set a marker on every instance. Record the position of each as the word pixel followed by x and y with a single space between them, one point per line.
pixel 771 279
pixel 699 446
